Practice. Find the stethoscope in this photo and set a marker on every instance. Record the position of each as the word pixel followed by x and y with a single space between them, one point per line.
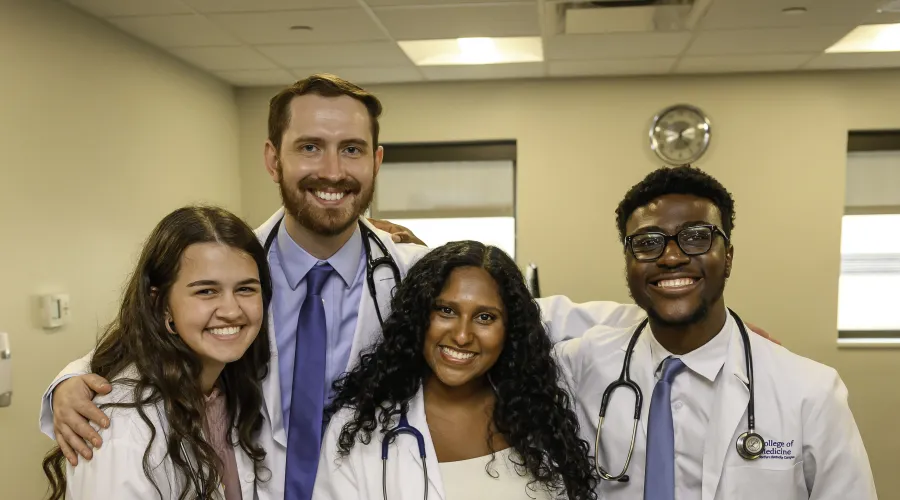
pixel 750 445
pixel 195 474
pixel 402 428
pixel 372 263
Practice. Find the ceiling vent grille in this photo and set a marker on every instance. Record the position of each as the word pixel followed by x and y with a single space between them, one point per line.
pixel 576 17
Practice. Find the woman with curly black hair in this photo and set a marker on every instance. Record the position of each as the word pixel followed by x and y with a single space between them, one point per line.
pixel 465 359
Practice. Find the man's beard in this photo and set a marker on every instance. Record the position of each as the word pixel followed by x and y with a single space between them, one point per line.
pixel 326 221
pixel 695 317
pixel 698 316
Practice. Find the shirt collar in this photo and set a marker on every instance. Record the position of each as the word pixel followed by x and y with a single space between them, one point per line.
pixel 296 262
pixel 706 361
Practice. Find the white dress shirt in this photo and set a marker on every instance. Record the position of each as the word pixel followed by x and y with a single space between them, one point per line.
pixel 693 394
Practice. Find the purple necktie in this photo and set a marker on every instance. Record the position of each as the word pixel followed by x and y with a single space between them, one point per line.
pixel 307 390
pixel 659 474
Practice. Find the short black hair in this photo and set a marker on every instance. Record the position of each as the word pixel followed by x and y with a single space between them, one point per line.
pixel 676 180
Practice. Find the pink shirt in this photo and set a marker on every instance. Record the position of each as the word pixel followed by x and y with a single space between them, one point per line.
pixel 217 433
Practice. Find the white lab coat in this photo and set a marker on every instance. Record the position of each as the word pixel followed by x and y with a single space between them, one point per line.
pixel 116 470
pixel 799 403
pixel 360 475
pixel 564 319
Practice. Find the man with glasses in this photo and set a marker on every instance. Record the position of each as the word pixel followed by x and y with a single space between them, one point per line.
pixel 696 435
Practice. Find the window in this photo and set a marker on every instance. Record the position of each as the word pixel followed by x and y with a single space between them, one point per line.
pixel 869 285
pixel 450 192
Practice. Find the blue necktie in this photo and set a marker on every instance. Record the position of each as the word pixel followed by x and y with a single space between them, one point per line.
pixel 659 474
pixel 307 390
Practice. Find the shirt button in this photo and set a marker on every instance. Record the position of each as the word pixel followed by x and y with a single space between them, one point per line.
pixel 249 477
pixel 678 405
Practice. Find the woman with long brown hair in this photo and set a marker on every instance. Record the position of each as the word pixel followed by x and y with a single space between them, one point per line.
pixel 190 336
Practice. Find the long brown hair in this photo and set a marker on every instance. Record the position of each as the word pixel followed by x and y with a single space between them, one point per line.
pixel 169 371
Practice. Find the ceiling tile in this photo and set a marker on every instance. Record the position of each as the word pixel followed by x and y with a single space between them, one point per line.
pixel 460 21
pixel 856 61
pixel 216 6
pixel 255 78
pixel 336 54
pixel 176 31
pixel 110 8
pixel 408 3
pixel 615 45
pixel 334 25
pixel 736 64
pixel 886 17
pixel 224 58
pixel 484 71
pixel 766 41
pixel 366 76
pixel 743 14
pixel 652 66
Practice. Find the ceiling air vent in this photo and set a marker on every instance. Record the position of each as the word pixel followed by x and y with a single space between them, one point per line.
pixel 892 6
pixel 616 16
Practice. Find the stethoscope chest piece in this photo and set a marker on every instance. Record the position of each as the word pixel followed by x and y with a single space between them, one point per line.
pixel 750 446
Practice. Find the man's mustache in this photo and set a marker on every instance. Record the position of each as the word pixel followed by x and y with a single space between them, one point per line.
pixel 348 184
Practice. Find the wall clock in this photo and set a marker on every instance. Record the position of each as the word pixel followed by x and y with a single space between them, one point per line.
pixel 680 134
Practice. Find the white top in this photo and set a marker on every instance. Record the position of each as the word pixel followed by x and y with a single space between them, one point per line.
pixel 469 479
pixel 693 394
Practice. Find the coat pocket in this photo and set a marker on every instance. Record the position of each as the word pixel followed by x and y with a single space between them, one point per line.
pixel 762 480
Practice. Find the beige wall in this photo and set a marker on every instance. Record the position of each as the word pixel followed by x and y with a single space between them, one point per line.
pixel 779 144
pixel 100 136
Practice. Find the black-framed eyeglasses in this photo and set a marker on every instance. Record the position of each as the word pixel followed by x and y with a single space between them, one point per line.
pixel 694 240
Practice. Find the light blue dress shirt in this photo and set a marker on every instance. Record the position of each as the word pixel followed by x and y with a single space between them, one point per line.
pixel 343 290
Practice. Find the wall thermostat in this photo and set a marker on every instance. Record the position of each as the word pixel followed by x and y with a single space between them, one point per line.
pixel 54 310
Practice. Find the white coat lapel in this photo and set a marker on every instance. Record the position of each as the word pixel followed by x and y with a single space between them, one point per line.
pixel 367 326
pixel 263 231
pixel 728 413
pixel 246 476
pixel 418 420
pixel 271 386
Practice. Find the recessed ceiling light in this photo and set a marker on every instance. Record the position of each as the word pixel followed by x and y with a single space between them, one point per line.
pixel 301 27
pixel 459 51
pixel 869 38
pixel 793 11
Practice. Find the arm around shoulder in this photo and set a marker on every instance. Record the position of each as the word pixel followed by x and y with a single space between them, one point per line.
pixel 78 367
pixel 835 461
pixel 567 320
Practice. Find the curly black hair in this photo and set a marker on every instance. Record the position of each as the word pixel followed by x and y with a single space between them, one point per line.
pixel 532 411
pixel 676 180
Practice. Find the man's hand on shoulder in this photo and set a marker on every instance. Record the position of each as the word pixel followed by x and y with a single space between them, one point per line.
pixel 398 233
pixel 72 411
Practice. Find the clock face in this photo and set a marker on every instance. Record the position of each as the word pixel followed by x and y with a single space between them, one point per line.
pixel 679 134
